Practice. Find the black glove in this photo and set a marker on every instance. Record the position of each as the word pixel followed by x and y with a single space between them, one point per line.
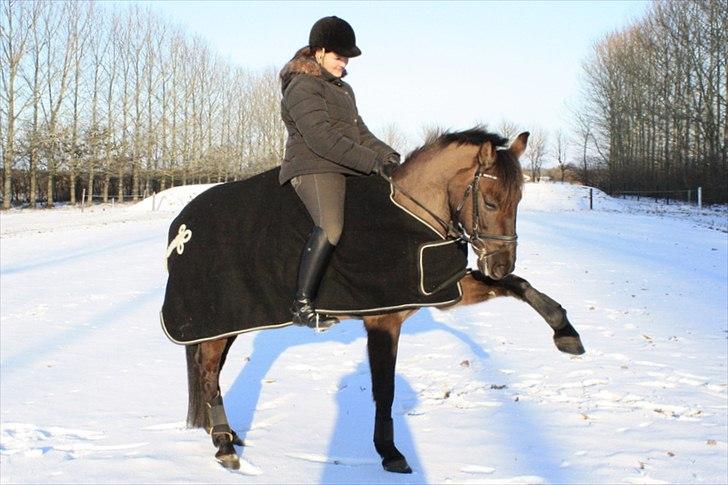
pixel 386 168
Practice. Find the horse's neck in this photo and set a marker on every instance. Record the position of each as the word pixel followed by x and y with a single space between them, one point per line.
pixel 428 179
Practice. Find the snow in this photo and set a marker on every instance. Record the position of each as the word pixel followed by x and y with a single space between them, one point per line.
pixel 92 391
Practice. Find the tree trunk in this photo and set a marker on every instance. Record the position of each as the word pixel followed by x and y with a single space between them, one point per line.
pixel 51 176
pixel 33 196
pixel 90 190
pixel 120 186
pixel 105 188
pixel 72 184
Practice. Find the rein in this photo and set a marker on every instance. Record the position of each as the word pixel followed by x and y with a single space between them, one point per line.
pixel 457 231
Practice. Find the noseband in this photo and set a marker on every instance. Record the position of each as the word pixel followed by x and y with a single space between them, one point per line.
pixel 457 231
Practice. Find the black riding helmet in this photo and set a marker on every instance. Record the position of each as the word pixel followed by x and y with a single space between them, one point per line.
pixel 334 34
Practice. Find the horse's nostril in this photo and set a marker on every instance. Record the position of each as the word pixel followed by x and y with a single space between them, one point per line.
pixel 500 270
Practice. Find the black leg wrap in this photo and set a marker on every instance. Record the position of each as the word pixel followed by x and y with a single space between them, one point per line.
pixel 392 459
pixel 219 428
pixel 383 430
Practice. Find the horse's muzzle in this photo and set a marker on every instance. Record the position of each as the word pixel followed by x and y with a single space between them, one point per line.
pixel 497 266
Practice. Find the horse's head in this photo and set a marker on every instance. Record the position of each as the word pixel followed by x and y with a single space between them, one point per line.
pixel 486 208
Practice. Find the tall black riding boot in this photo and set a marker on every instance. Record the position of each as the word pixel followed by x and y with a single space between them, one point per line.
pixel 314 260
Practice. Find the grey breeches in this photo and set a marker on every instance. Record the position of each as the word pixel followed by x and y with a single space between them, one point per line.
pixel 323 195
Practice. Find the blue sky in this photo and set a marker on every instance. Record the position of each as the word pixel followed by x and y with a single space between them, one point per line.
pixel 451 64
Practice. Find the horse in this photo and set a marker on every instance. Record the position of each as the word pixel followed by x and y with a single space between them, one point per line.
pixel 466 185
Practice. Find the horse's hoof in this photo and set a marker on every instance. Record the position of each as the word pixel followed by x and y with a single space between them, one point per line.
pixel 569 345
pixel 229 461
pixel 398 465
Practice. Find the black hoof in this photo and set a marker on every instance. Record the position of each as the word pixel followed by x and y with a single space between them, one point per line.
pixel 228 460
pixel 227 456
pixel 398 465
pixel 569 345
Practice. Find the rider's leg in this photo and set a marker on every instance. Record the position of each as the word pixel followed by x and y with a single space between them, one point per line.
pixel 323 195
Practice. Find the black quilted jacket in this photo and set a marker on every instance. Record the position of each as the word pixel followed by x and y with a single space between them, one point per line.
pixel 325 131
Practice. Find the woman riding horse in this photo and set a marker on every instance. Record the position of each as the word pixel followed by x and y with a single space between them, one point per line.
pixel 327 142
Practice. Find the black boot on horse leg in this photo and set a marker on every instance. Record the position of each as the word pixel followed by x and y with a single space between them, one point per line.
pixel 205 410
pixel 566 338
pixel 314 260
pixel 223 437
pixel 478 287
pixel 383 336
pixel 392 460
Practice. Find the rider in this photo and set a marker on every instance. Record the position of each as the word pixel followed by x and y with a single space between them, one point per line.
pixel 327 141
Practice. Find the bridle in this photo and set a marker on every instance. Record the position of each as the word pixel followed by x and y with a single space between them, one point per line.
pixel 475 237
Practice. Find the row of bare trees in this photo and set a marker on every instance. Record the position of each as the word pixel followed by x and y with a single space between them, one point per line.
pixel 122 102
pixel 655 110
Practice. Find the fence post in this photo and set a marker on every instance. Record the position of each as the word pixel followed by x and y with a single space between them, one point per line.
pixel 700 197
pixel 83 198
pixel 591 199
pixel 690 198
pixel 154 198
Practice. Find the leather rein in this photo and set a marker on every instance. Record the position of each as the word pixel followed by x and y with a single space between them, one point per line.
pixel 457 231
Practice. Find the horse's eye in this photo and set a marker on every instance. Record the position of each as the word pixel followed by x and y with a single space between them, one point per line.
pixel 491 206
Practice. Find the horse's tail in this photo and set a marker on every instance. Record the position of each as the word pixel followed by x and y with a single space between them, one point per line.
pixel 196 409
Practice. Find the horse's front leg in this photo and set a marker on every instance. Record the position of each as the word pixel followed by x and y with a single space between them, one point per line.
pixel 478 287
pixel 383 337
pixel 206 409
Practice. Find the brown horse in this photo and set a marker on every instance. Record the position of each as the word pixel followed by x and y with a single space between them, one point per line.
pixel 460 182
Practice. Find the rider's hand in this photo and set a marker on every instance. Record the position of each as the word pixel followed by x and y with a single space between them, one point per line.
pixel 387 167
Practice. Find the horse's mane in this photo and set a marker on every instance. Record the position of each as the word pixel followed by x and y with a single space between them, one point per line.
pixel 506 167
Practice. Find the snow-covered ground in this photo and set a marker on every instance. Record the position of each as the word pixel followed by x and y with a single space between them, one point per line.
pixel 92 391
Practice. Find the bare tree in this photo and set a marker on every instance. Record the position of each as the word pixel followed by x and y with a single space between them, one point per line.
pixel 80 19
pixel 508 129
pixel 59 54
pixel 267 129
pixel 34 82
pixel 99 43
pixel 560 152
pixel 656 97
pixel 14 37
pixel 393 136
pixel 535 152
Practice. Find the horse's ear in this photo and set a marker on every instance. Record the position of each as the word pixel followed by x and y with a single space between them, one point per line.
pixel 519 145
pixel 486 155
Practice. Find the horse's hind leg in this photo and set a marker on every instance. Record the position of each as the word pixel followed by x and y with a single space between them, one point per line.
pixel 383 337
pixel 205 406
pixel 477 288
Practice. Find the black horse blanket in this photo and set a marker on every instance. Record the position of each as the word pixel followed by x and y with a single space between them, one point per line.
pixel 233 259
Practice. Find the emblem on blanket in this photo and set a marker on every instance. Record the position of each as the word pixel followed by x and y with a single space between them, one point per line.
pixel 240 273
pixel 183 236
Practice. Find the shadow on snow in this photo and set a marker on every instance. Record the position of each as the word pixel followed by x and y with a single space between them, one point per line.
pixel 351 443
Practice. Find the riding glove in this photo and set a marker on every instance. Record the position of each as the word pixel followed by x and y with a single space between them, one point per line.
pixel 387 167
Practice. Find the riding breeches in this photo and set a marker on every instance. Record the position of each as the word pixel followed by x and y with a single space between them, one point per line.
pixel 323 195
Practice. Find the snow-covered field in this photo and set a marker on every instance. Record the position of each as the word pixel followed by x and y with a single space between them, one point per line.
pixel 92 391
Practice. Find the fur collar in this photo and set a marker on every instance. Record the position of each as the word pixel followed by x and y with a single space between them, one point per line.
pixel 304 65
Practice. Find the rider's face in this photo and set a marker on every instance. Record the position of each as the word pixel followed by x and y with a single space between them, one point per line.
pixel 332 62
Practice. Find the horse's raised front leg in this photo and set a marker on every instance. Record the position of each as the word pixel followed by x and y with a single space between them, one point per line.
pixel 478 287
pixel 383 337
pixel 205 406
